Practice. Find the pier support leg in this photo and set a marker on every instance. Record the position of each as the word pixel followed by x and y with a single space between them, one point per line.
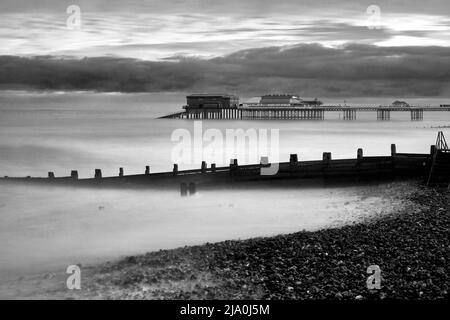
pixel 383 114
pixel 417 114
pixel 349 114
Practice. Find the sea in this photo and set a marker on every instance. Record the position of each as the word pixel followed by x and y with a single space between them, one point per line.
pixel 48 227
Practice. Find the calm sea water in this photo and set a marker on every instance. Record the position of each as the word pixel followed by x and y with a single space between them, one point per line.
pixel 42 228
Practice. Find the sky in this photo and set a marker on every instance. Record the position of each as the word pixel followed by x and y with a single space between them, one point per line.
pixel 210 30
pixel 154 30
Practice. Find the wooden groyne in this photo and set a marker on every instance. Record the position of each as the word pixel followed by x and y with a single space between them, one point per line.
pixel 397 165
pixel 433 167
pixel 267 112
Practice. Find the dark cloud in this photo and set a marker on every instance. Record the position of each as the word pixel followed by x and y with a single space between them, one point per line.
pixel 308 69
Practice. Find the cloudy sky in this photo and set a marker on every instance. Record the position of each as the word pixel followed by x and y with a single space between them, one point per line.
pixel 159 29
pixel 348 37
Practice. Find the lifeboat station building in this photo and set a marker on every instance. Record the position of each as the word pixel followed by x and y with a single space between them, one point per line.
pixel 212 101
pixel 212 106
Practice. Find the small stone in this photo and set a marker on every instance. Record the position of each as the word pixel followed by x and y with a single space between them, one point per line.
pixel 131 259
pixel 359 297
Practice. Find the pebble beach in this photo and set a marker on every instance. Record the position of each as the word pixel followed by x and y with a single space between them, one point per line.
pixel 411 247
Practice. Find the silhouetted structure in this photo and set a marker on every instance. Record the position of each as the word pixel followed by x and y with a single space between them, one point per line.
pixel 212 101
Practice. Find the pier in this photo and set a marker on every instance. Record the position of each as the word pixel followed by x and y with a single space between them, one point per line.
pixel 267 112
pixel 250 113
pixel 286 107
pixel 433 167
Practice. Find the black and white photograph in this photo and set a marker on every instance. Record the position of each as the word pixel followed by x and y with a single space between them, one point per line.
pixel 225 151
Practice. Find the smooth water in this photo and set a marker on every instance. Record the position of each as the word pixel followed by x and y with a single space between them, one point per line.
pixel 46 227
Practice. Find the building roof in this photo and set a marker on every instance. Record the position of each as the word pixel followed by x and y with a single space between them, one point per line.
pixel 309 99
pixel 211 95
pixel 398 102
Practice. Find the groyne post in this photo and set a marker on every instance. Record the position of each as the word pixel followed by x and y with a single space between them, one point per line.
pixel 147 170
pixel 433 150
pixel 98 174
pixel 264 161
pixel 74 174
pixel 120 172
pixel 51 175
pixel 293 159
pixel 203 167
pixel 233 165
pixel 359 155
pixel 175 169
pixel 326 157
pixel 393 150
pixel 213 167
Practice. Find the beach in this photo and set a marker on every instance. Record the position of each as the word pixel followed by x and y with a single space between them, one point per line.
pixel 411 245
